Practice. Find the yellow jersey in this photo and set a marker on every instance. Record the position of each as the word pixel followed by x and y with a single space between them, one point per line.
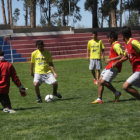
pixel 41 61
pixel 95 47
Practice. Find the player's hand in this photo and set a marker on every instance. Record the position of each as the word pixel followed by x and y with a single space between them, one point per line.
pixel 55 75
pixel 107 61
pixel 22 91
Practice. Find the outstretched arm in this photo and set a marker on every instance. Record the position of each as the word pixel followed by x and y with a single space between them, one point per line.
pixel 122 59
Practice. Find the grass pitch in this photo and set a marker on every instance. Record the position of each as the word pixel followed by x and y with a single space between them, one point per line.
pixel 73 117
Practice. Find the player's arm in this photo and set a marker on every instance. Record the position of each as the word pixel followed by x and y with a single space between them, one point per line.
pixel 88 51
pixel 31 69
pixel 102 50
pixel 32 65
pixel 16 80
pixel 117 48
pixel 52 69
pixel 121 60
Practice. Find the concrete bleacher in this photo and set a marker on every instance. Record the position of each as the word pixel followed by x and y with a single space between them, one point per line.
pixel 61 46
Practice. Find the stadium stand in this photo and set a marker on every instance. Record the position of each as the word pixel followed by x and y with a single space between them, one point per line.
pixel 68 45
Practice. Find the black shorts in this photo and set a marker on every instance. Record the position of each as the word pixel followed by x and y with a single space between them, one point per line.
pixel 5 100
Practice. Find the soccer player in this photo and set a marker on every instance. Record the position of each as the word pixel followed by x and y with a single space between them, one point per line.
pixel 8 71
pixel 95 49
pixel 41 59
pixel 110 72
pixel 132 53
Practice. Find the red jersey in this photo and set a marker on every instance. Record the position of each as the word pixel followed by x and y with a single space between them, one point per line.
pixel 6 71
pixel 112 55
pixel 133 56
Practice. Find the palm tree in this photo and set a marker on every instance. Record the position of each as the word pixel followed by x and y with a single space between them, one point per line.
pixel 10 11
pixel 3 12
pixel 92 5
pixel 33 13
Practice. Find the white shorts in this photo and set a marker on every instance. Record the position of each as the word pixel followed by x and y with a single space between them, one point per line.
pixel 108 74
pixel 134 79
pixel 47 78
pixel 95 63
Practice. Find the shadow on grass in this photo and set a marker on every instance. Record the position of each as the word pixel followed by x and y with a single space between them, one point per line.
pixel 66 99
pixel 123 100
pixel 119 81
pixel 29 108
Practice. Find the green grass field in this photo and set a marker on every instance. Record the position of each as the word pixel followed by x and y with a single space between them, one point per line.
pixel 73 117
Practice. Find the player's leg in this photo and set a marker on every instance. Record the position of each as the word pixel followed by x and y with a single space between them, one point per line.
pixel 6 103
pixel 100 89
pixel 37 83
pixel 134 79
pixel 98 68
pixel 127 87
pixel 51 80
pixel 55 87
pixel 100 93
pixel 92 69
pixel 107 78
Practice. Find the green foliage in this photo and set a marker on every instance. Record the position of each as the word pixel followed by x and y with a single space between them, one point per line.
pixel 133 19
pixel 16 15
pixel 73 117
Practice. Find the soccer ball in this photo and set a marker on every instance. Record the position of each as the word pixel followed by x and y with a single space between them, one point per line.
pixel 49 98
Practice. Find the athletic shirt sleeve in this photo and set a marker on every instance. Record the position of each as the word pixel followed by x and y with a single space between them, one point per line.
pixel 88 45
pixel 102 45
pixel 117 48
pixel 136 45
pixel 32 58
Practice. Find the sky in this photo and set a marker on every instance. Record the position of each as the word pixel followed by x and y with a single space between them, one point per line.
pixel 86 21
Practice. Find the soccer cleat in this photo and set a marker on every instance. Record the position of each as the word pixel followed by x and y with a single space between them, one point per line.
pixel 9 110
pixel 97 102
pixel 5 110
pixel 58 95
pixel 39 100
pixel 117 97
pixel 95 82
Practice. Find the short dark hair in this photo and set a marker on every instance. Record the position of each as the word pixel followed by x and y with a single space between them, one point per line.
pixel 95 33
pixel 113 35
pixel 39 42
pixel 126 32
pixel 1 53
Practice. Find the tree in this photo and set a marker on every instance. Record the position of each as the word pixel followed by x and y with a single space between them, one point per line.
pixel 92 6
pixel 46 6
pixel 26 9
pixel 16 15
pixel 3 12
pixel 133 19
pixel 33 13
pixel 10 11
pixel 109 9
pixel 65 10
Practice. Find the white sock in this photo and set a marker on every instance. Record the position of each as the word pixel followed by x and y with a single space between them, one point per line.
pixel 99 99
